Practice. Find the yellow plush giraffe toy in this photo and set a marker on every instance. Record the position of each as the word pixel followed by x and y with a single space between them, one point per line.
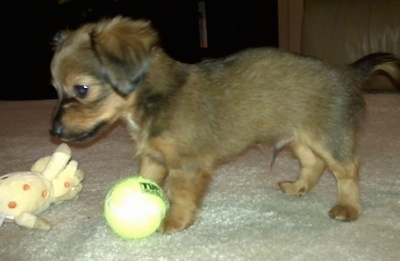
pixel 52 179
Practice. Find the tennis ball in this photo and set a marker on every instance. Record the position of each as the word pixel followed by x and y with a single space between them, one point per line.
pixel 135 207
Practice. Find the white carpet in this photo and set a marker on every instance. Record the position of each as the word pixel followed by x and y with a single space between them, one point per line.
pixel 244 217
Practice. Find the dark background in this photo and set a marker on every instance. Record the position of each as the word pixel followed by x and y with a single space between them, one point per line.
pixel 28 26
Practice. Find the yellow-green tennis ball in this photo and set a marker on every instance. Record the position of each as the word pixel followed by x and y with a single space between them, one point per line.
pixel 135 207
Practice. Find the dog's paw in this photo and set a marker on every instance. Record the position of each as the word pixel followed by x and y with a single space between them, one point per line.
pixel 293 188
pixel 343 212
pixel 176 221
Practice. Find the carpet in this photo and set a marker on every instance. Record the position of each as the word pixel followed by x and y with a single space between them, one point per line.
pixel 244 215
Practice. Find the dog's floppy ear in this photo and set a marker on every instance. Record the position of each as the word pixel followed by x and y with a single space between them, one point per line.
pixel 123 47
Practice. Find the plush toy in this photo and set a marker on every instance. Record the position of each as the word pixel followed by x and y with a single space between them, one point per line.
pixel 52 179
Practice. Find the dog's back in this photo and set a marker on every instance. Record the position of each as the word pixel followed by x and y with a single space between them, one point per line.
pixel 265 95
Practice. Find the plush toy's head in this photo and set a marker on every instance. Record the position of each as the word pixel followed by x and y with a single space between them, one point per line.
pixel 52 179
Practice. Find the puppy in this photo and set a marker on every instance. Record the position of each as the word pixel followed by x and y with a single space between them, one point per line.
pixel 187 118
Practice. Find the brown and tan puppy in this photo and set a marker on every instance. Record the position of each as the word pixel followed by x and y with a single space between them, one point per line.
pixel 185 118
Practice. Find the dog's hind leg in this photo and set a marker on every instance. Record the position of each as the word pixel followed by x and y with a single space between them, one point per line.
pixel 348 206
pixel 312 167
pixel 341 159
pixel 314 158
pixel 185 191
pixel 345 167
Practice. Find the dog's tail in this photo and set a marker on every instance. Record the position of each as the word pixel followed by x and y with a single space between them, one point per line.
pixel 385 63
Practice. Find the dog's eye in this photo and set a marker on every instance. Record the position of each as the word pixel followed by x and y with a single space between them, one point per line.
pixel 81 91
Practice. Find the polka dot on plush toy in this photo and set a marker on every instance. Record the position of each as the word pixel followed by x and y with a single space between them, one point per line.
pixel 12 204
pixel 26 187
pixel 67 184
pixel 45 193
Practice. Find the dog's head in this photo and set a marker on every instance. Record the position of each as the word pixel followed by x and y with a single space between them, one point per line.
pixel 96 70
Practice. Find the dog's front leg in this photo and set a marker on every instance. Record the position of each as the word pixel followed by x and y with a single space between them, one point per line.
pixel 153 170
pixel 186 191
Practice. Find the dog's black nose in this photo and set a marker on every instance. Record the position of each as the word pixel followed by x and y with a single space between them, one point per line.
pixel 58 130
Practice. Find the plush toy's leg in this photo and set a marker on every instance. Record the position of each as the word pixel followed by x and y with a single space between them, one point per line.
pixel 80 175
pixel 31 221
pixel 57 162
pixel 72 173
pixel 73 193
pixel 40 164
pixel 67 185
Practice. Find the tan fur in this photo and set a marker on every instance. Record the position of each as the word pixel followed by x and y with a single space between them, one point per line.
pixel 185 118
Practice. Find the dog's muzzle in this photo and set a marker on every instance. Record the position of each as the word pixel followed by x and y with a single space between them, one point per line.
pixel 58 130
